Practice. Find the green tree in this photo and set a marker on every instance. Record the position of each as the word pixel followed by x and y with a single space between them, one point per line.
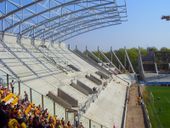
pixel 121 54
pixel 99 55
pixel 154 49
pixel 164 49
pixel 143 51
pixel 133 55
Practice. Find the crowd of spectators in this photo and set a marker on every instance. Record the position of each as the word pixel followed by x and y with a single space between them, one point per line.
pixel 24 114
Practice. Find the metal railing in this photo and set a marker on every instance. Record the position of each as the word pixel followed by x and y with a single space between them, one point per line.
pixel 34 96
pixel 45 102
pixel 93 97
pixel 88 123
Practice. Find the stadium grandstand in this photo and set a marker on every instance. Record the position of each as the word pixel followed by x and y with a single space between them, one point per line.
pixel 155 68
pixel 45 83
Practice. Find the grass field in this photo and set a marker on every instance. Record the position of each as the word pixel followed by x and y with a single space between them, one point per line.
pixel 157 99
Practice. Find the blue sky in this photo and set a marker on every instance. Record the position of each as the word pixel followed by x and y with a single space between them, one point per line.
pixel 144 28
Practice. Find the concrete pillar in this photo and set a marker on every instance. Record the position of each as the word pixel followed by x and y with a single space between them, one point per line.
pixel 19 87
pixel 156 68
pixel 7 80
pixel 31 95
pixel 42 101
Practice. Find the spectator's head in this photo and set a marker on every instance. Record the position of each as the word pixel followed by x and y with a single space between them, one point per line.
pixel 81 124
pixel 56 116
pixel 68 123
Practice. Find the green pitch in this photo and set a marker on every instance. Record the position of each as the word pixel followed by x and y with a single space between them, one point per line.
pixel 157 99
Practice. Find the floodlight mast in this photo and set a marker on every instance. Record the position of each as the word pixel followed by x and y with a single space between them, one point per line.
pixel 167 18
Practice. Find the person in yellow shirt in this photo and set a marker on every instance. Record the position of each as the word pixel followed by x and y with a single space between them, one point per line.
pixel 23 125
pixel 13 123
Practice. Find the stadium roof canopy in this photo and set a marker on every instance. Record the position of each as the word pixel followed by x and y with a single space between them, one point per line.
pixel 59 20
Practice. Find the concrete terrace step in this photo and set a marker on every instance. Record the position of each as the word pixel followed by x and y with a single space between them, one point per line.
pixel 58 100
pixel 87 82
pixel 80 88
pixel 80 97
pixel 94 79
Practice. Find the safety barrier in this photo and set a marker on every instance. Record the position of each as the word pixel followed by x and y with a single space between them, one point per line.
pixel 34 96
pixel 88 123
pixel 45 102
pixel 91 99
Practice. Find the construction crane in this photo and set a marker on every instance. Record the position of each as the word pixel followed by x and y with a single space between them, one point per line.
pixel 166 18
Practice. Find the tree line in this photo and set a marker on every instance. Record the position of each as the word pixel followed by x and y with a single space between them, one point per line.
pixel 133 55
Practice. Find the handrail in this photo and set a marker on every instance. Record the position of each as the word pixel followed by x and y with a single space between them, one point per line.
pixel 90 120
pixel 90 100
pixel 87 104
